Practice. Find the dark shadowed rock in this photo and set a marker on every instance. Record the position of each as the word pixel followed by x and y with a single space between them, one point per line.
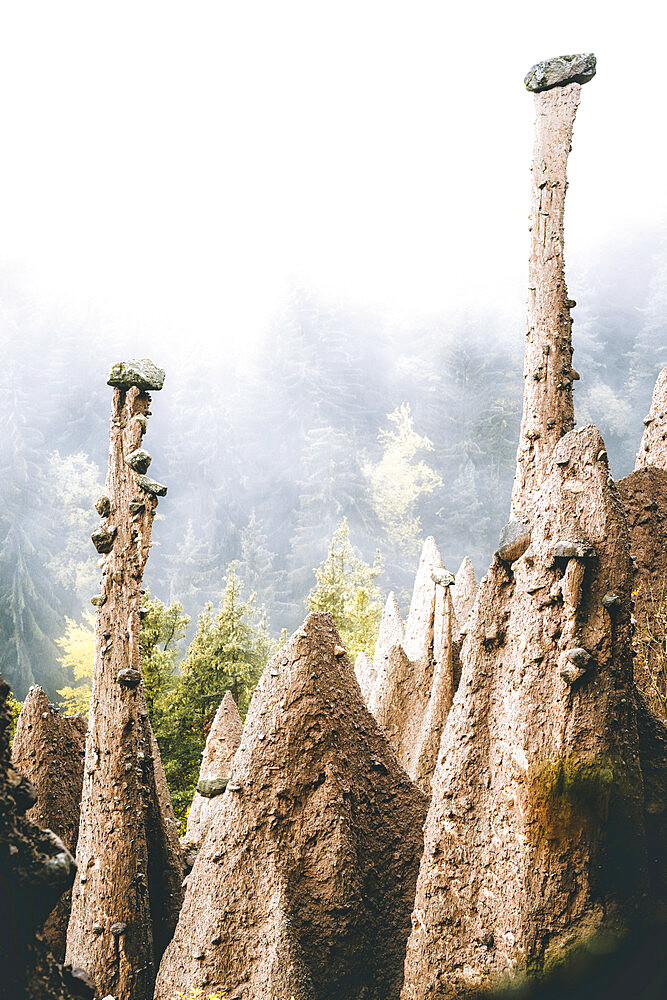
pixel 151 486
pixel 561 70
pixel 304 884
pixel 48 748
pixel 139 460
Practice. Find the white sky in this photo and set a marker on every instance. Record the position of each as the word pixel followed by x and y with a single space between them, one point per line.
pixel 175 168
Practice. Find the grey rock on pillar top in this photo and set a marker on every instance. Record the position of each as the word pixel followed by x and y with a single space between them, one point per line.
pixel 561 70
pixel 143 374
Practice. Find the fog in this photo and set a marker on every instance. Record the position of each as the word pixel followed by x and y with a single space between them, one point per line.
pixel 309 215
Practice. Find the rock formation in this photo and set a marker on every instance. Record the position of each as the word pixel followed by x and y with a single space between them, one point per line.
pixel 464 592
pixel 391 633
pixel 415 668
pixel 222 743
pixel 653 449
pixel 127 892
pixel 35 870
pixel 548 409
pixel 304 885
pixel 48 749
pixel 534 839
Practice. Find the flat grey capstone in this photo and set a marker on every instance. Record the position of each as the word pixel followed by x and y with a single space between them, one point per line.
pixel 443 577
pixel 157 489
pixel 143 374
pixel 561 70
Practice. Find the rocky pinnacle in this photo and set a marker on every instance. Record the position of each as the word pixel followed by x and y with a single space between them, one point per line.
pixel 548 409
pixel 653 449
pixel 127 892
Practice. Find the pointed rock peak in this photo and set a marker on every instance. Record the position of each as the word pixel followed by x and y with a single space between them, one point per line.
pixel 302 853
pixel 224 737
pixel 653 449
pixel 464 590
pixel 392 630
pixel 419 626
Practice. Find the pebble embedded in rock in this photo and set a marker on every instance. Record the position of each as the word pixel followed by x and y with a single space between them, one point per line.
pixel 514 540
pixel 568 549
pixel 103 506
pixel 151 486
pixel 103 539
pixel 128 677
pixel 139 460
pixel 210 787
pixel 118 928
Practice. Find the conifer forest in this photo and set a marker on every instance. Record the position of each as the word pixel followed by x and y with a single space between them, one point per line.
pixel 334 664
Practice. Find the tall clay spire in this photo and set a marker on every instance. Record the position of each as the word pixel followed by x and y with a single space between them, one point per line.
pixel 128 888
pixel 653 449
pixel 548 409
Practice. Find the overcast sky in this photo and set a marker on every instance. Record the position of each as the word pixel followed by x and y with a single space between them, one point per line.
pixel 175 169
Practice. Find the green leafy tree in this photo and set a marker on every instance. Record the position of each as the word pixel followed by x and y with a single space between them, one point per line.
pixel 346 587
pixel 14 712
pixel 400 479
pixel 162 629
pixel 228 653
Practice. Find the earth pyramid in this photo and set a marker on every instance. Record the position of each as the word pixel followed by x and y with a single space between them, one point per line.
pixel 304 885
pixel 127 891
pixel 653 448
pixel 48 749
pixel 415 669
pixel 35 870
pixel 534 840
pixel 464 591
pixel 390 634
pixel 222 742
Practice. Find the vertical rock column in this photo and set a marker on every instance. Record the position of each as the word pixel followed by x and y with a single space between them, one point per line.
pixel 548 409
pixel 127 891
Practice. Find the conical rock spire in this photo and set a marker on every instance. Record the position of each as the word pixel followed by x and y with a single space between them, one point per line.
pixel 534 838
pixel 464 591
pixel 222 742
pixel 653 449
pixel 35 870
pixel 414 679
pixel 304 884
pixel 128 890
pixel 48 749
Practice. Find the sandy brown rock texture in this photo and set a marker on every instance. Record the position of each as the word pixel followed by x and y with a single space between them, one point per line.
pixel 35 870
pixel 548 408
pixel 222 743
pixel 304 885
pixel 653 448
pixel 48 749
pixel 535 835
pixel 464 591
pixel 128 891
pixel 415 669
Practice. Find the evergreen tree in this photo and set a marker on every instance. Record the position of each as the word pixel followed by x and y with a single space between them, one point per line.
pixel 346 587
pixel 162 629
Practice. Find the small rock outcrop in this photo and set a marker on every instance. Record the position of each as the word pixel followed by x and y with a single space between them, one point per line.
pixel 48 749
pixel 35 870
pixel 653 448
pixel 416 667
pixel 304 885
pixel 548 407
pixel 223 741
pixel 391 634
pixel 128 891
pixel 535 834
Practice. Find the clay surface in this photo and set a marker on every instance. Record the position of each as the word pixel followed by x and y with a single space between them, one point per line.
pixel 464 591
pixel 304 885
pixel 128 891
pixel 48 749
pixel 222 743
pixel 534 838
pixel 415 669
pixel 653 449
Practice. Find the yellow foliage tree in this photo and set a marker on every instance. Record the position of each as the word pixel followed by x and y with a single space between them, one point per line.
pixel 78 645
pixel 399 480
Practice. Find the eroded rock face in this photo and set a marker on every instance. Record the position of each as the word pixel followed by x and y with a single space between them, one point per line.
pixel 464 591
pixel 127 893
pixel 644 497
pixel 304 884
pixel 35 870
pixel 416 667
pixel 534 838
pixel 653 449
pixel 48 749
pixel 222 743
